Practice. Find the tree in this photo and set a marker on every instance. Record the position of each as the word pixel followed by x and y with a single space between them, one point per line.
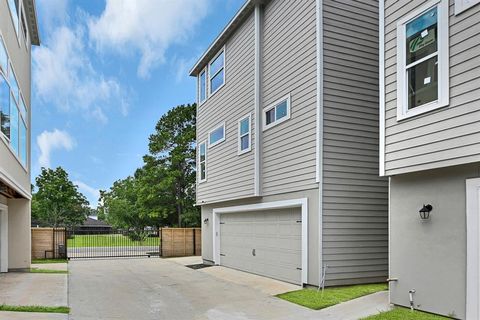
pixel 58 201
pixel 172 152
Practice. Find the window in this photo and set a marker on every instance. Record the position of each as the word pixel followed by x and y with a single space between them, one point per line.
pixel 13 83
pixel 217 72
pixel 14 131
pixel 202 83
pixel 4 107
pixel 276 113
pixel 24 29
pixel 13 6
pixel 462 5
pixel 244 136
pixel 202 161
pixel 216 136
pixel 422 60
pixel 3 57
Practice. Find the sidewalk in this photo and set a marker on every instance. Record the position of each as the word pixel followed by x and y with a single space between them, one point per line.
pixel 27 289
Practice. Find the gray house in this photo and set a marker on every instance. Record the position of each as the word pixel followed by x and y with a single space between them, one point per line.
pixel 430 150
pixel 18 32
pixel 287 137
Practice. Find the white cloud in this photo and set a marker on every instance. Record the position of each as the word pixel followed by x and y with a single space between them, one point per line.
pixel 149 27
pixel 49 141
pixel 63 75
pixel 91 193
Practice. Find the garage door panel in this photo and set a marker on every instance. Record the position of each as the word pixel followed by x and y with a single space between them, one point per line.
pixel 263 242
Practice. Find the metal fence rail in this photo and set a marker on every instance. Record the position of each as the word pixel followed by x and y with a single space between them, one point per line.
pixel 111 243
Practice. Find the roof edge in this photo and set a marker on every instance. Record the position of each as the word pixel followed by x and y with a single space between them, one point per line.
pixel 32 21
pixel 224 35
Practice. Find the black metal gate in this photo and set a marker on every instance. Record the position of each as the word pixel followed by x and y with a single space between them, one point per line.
pixel 110 243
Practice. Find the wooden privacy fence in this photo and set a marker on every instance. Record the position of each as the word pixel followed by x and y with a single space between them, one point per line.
pixel 180 242
pixel 49 243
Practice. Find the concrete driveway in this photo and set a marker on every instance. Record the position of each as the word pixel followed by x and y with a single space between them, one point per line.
pixel 138 289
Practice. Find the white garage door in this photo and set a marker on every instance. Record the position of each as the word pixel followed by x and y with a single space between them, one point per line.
pixel 267 243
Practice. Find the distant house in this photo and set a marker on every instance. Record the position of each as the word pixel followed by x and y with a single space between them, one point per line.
pixel 91 225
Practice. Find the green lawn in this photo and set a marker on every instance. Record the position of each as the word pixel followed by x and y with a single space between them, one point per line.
pixel 6 307
pixel 35 270
pixel 41 261
pixel 404 313
pixel 313 299
pixel 109 240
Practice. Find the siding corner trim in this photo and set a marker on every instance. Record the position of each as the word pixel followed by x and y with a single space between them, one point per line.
pixel 381 73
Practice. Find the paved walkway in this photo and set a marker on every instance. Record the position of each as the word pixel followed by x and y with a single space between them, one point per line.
pixel 26 289
pixel 144 289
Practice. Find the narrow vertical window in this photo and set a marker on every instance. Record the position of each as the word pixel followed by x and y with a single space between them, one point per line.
pixel 202 160
pixel 3 57
pixel 14 133
pixel 244 136
pixel 202 86
pixel 14 9
pixel 4 107
pixel 217 72
pixel 422 66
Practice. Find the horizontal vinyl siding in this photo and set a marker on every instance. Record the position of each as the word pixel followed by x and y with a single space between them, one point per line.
pixel 447 136
pixel 229 175
pixel 355 199
pixel 289 67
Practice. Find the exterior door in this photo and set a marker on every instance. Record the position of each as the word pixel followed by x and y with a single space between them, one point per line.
pixel 267 243
pixel 473 247
pixel 3 238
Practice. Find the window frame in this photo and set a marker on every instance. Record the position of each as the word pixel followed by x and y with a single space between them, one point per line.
pixel 200 180
pixel 211 145
pixel 24 20
pixel 274 105
pixel 17 29
pixel 240 136
pixel 442 61
pixel 199 88
pixel 223 69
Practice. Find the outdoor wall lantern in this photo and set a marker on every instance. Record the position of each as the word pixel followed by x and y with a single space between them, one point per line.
pixel 425 212
pixel 205 221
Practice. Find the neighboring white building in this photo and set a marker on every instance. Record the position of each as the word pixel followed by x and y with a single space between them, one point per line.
pixel 430 149
pixel 18 32
pixel 287 136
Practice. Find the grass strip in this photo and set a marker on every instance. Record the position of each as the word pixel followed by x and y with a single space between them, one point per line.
pixel 35 270
pixel 109 240
pixel 42 261
pixel 314 299
pixel 43 309
pixel 399 313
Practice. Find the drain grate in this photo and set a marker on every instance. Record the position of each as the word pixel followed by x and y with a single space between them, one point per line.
pixel 198 266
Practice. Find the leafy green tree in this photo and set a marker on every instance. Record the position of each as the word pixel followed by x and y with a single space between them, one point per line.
pixel 172 152
pixel 57 202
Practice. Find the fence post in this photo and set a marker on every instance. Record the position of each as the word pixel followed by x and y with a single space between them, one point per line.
pixel 194 242
pixel 161 242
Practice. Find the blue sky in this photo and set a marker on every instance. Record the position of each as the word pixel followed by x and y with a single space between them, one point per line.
pixel 106 72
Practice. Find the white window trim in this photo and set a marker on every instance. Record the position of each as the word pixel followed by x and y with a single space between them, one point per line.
pixel 293 203
pixel 443 61
pixel 210 76
pixel 274 105
pixel 199 88
pixel 219 141
pixel 240 151
pixel 462 5
pixel 200 180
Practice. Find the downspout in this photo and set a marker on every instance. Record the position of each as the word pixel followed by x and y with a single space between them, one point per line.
pixel 258 100
pixel 319 135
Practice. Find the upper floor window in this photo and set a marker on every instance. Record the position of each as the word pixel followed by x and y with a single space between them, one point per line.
pixel 217 135
pixel 244 136
pixel 462 5
pixel 422 60
pixel 13 5
pixel 216 71
pixel 202 161
pixel 202 86
pixel 3 57
pixel 276 113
